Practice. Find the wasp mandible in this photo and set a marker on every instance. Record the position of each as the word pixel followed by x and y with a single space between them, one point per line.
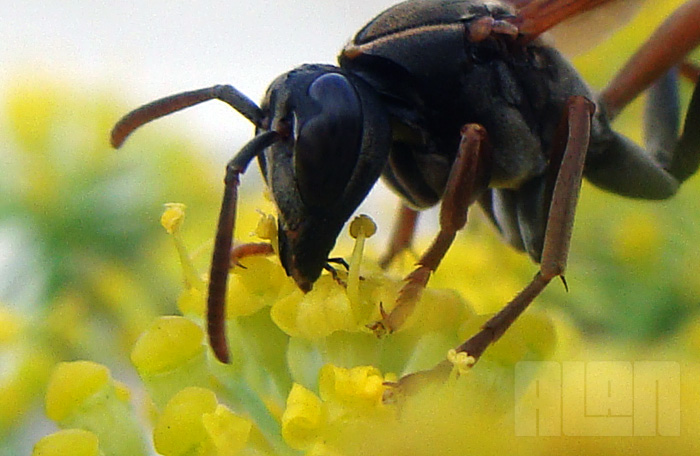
pixel 451 102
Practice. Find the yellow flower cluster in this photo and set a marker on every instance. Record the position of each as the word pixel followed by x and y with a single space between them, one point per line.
pixel 82 395
pixel 307 375
pixel 193 422
pixel 347 397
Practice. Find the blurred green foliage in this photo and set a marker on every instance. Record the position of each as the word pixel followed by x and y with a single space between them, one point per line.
pixel 85 263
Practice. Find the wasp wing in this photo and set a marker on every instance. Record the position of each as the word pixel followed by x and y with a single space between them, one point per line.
pixel 576 25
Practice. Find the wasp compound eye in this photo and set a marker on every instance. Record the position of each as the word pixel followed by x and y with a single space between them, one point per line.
pixel 327 142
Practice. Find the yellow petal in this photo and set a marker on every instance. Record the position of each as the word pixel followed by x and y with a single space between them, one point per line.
pixel 73 442
pixel 227 431
pixel 303 418
pixel 10 325
pixel 71 385
pixel 316 314
pixel 179 429
pixel 360 386
pixel 254 287
pixel 169 342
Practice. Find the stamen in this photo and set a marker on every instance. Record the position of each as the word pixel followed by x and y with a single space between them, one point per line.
pixel 172 219
pixel 461 361
pixel 361 228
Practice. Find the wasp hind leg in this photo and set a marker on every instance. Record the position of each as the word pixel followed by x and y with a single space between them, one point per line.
pixel 656 171
pixel 401 236
pixel 568 171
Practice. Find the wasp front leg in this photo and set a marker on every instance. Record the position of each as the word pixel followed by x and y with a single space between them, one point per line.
pixel 467 180
pixel 250 249
pixel 223 243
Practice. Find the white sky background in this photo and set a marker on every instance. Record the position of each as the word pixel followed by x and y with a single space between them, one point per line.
pixel 148 49
pixel 145 50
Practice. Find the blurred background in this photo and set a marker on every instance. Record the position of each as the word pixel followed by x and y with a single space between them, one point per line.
pixel 84 263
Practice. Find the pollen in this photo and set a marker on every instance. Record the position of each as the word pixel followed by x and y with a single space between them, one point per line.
pixel 461 361
pixel 267 227
pixel 173 217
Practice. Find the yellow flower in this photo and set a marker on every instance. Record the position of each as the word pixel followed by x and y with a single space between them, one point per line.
pixel 74 442
pixel 346 397
pixel 257 284
pixel 316 314
pixel 83 395
pixel 360 387
pixel 169 356
pixel 193 423
pixel 303 417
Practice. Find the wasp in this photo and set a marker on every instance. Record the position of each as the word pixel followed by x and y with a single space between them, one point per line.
pixel 450 102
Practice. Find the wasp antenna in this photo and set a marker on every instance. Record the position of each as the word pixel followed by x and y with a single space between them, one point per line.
pixel 223 242
pixel 164 106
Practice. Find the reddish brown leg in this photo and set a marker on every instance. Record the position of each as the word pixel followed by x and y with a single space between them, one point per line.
pixel 467 179
pixel 690 71
pixel 401 236
pixel 559 226
pixel 668 45
pixel 251 249
pixel 221 259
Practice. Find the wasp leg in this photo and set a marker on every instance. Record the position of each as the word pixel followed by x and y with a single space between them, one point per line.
pixel 467 180
pixel 401 236
pixel 340 261
pixel 661 116
pixel 668 45
pixel 690 71
pixel 247 250
pixel 569 171
pixel 221 260
pixel 620 166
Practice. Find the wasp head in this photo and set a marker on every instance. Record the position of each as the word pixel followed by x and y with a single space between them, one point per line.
pixel 334 141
